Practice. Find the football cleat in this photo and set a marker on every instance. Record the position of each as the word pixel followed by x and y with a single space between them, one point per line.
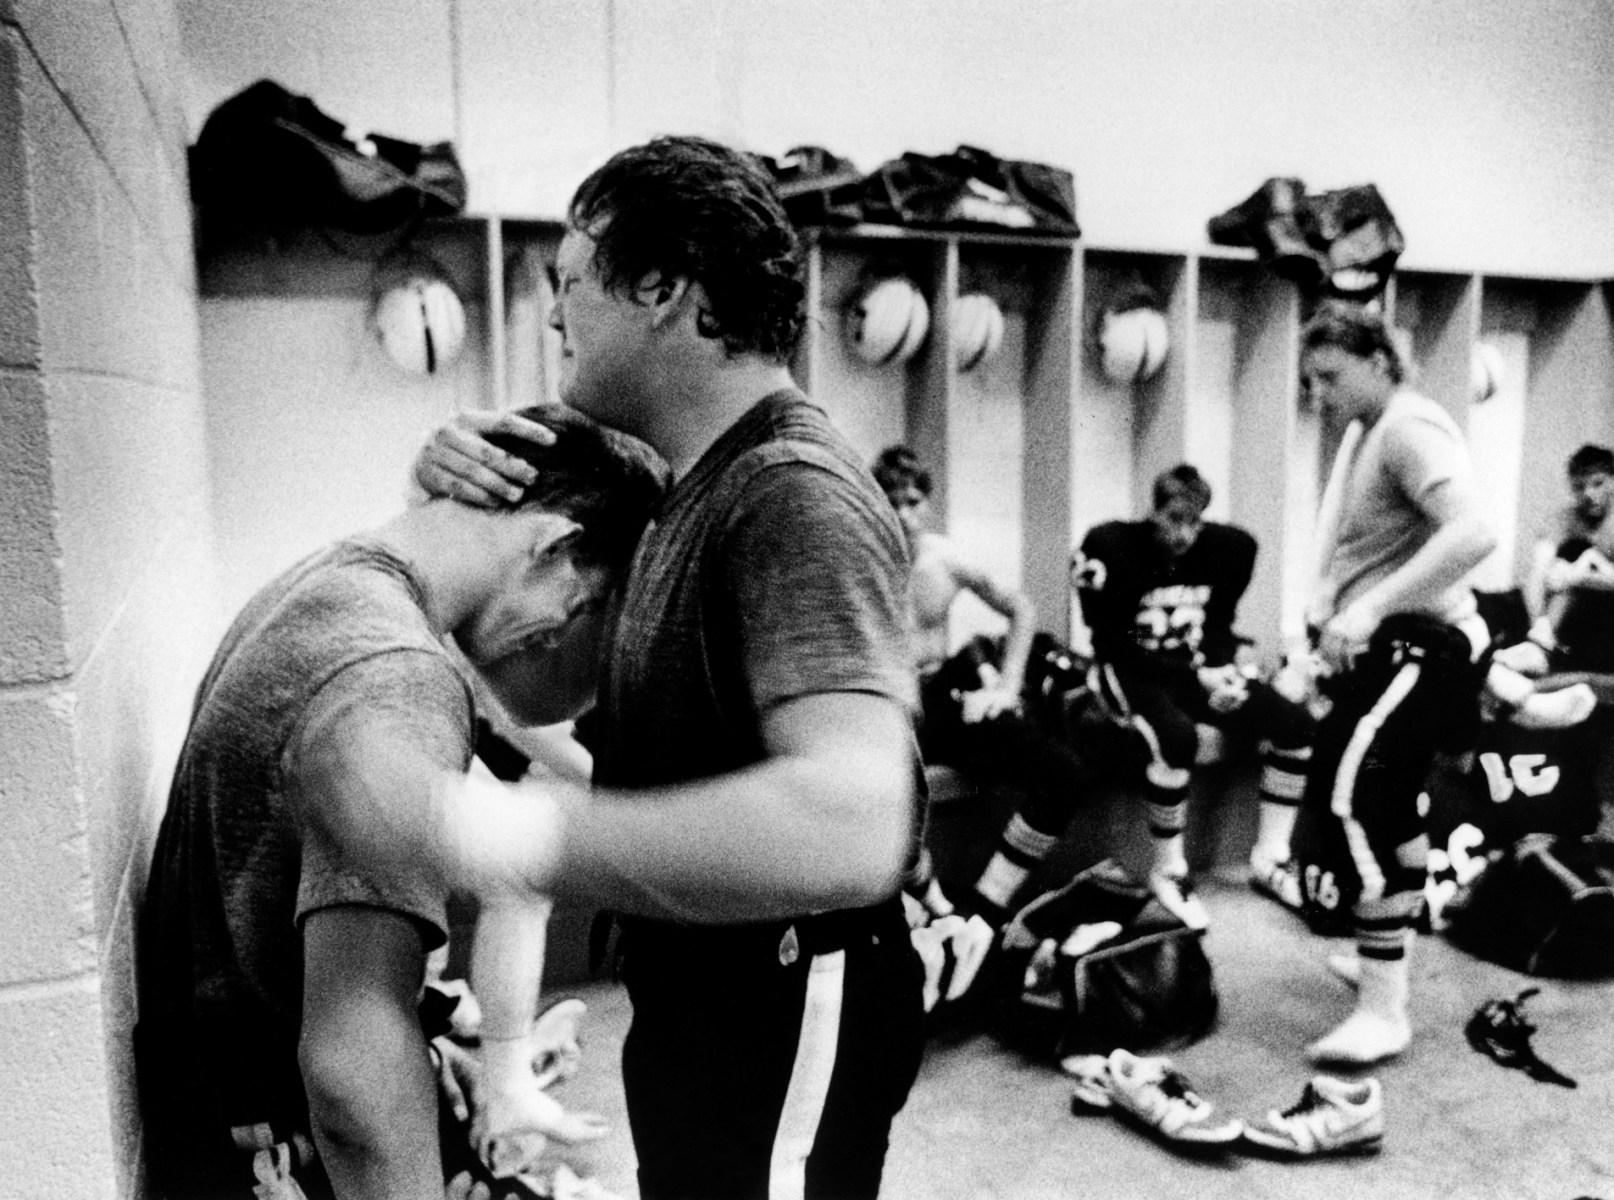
pixel 1176 894
pixel 1332 1116
pixel 1153 1092
pixel 1091 1090
pixel 1528 658
pixel 1277 880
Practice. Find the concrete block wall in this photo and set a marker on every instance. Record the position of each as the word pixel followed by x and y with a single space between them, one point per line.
pixel 106 606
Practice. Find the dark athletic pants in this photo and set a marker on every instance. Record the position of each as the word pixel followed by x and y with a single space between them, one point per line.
pixel 1360 840
pixel 769 1059
pixel 1163 712
pixel 1007 749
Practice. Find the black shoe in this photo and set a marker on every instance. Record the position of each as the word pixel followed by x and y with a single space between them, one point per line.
pixel 1269 221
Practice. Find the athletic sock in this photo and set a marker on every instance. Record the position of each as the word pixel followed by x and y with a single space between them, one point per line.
pixel 1283 783
pixel 1020 848
pixel 1168 817
pixel 1379 1028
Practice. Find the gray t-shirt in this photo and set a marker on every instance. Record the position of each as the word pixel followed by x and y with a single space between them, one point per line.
pixel 1414 447
pixel 775 570
pixel 325 702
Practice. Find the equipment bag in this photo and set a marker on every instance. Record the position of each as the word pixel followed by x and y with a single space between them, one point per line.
pixel 1100 964
pixel 817 186
pixel 268 160
pixel 972 189
pixel 1544 906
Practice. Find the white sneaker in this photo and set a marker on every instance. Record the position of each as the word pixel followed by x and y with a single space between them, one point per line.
pixel 1528 658
pixel 1091 1090
pixel 1176 894
pixel 1155 1093
pixel 1332 1116
pixel 1277 879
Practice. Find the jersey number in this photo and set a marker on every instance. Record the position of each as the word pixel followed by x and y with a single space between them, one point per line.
pixel 1528 773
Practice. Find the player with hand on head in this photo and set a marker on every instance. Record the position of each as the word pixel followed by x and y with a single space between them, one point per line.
pixel 755 769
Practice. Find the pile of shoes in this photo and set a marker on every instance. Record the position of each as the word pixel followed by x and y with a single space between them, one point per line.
pixel 1344 242
pixel 1332 1117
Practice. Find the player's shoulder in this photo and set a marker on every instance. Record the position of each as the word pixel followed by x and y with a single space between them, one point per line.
pixel 1109 536
pixel 1412 417
pixel 1223 538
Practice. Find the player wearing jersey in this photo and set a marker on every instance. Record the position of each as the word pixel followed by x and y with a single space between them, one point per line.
pixel 1159 597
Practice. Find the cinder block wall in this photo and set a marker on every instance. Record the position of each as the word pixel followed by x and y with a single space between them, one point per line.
pixel 105 558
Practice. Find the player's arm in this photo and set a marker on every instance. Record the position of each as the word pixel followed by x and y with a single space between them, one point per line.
pixel 1221 644
pixel 372 1095
pixel 1592 571
pixel 1540 584
pixel 824 818
pixel 1107 613
pixel 360 776
pixel 823 822
pixel 1012 604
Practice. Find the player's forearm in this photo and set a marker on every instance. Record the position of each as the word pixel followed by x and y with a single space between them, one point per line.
pixel 1535 588
pixel 372 1102
pixel 1017 647
pixel 507 965
pixel 786 837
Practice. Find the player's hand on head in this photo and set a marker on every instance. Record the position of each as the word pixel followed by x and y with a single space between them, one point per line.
pixel 459 461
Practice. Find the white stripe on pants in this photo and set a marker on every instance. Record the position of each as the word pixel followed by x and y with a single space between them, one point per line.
pixel 809 1078
pixel 1350 765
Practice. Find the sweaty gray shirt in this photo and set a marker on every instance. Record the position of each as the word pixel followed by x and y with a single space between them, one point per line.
pixel 775 570
pixel 326 695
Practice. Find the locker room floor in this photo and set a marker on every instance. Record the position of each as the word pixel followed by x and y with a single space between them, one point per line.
pixel 982 1122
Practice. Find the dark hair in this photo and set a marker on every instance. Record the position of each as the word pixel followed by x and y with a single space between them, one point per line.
pixel 1181 480
pixel 1356 330
pixel 607 482
pixel 1591 458
pixel 688 207
pixel 899 467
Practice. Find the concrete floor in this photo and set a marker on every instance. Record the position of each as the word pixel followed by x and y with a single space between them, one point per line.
pixel 984 1123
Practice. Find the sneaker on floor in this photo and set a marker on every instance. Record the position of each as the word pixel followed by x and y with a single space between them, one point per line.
pixel 1091 1089
pixel 1277 879
pixel 1528 658
pixel 1176 894
pixel 1333 1116
pixel 1157 1094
